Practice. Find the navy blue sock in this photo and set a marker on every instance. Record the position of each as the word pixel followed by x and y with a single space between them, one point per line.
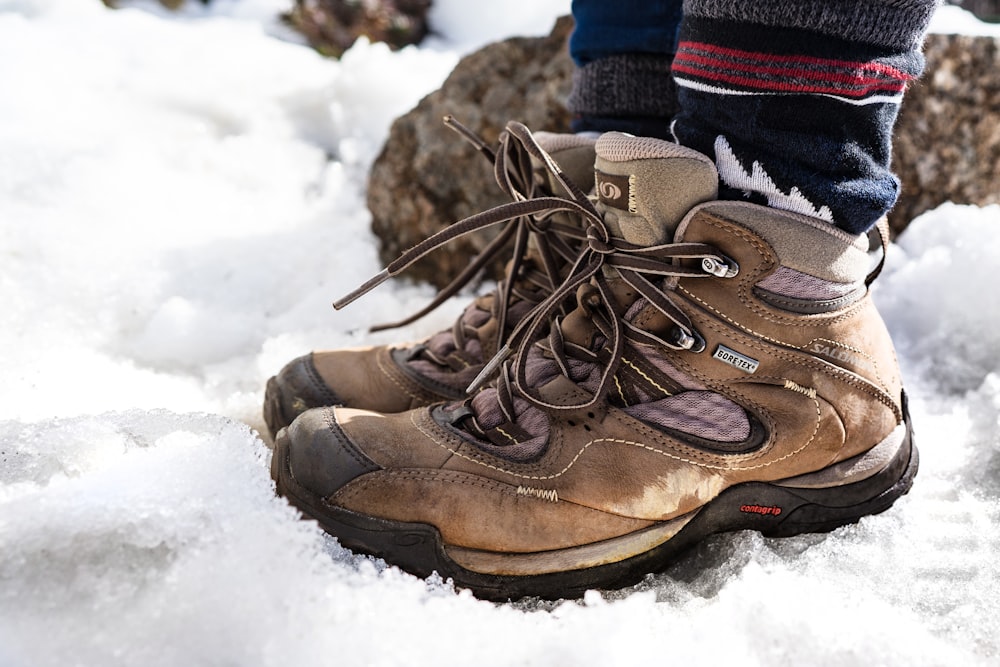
pixel 623 51
pixel 798 119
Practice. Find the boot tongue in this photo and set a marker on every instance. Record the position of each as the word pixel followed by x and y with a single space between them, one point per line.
pixel 646 186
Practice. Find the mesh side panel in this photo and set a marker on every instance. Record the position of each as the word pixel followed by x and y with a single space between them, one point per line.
pixel 792 283
pixel 655 357
pixel 664 366
pixel 587 376
pixel 703 414
pixel 515 312
pixel 443 345
pixel 475 316
pixel 457 380
pixel 539 370
pixel 529 418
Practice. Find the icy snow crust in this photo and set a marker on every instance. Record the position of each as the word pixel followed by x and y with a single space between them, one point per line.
pixel 181 197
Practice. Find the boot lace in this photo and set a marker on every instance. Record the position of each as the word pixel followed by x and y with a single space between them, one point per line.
pixel 528 277
pixel 510 414
pixel 508 418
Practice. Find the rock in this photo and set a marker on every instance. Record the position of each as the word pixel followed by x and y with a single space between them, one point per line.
pixel 332 26
pixel 428 177
pixel 947 141
pixel 984 9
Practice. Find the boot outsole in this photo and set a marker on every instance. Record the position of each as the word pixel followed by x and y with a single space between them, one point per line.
pixel 769 508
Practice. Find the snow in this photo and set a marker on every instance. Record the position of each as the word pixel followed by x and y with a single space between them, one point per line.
pixel 181 198
pixel 953 20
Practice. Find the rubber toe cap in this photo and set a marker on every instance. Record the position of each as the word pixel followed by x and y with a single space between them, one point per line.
pixel 296 388
pixel 320 456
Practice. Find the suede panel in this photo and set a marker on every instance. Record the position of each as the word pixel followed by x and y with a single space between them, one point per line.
pixel 477 512
pixel 369 377
pixel 799 242
pixel 690 179
pixel 397 440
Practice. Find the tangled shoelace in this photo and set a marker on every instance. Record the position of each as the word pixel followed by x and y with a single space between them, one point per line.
pixel 513 408
pixel 528 278
pixel 536 347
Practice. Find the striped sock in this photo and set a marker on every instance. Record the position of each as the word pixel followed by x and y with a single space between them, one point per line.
pixel 794 118
pixel 727 71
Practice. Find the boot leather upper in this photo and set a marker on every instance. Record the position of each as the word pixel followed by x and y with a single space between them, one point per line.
pixel 826 388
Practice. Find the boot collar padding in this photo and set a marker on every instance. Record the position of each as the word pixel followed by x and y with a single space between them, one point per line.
pixel 800 242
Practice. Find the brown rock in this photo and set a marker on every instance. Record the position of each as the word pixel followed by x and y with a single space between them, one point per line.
pixel 984 9
pixel 428 177
pixel 947 141
pixel 332 26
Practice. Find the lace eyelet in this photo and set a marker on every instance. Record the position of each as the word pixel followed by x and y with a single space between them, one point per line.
pixel 699 342
pixel 720 268
pixel 690 341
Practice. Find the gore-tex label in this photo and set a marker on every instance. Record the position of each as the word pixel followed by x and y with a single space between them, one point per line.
pixel 735 359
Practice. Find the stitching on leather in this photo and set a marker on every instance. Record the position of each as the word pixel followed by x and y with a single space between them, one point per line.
pixel 462 361
pixel 433 390
pixel 344 495
pixel 621 392
pixel 747 283
pixel 395 380
pixel 646 377
pixel 838 373
pixel 507 435
pixel 330 417
pixel 617 441
pixel 327 394
pixel 859 352
pixel 361 484
pixel 354 488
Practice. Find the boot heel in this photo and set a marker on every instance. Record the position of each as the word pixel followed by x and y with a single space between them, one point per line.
pixel 777 510
pixel 820 510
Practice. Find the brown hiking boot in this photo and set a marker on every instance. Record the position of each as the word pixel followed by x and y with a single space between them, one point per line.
pixel 395 378
pixel 724 369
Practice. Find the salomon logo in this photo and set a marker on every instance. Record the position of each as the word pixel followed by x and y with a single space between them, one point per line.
pixel 610 191
pixel 843 355
pixel 617 191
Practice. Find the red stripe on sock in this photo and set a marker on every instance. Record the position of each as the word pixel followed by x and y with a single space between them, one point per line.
pixel 881 68
pixel 783 87
pixel 712 65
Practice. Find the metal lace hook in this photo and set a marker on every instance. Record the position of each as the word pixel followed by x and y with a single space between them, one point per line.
pixel 723 267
